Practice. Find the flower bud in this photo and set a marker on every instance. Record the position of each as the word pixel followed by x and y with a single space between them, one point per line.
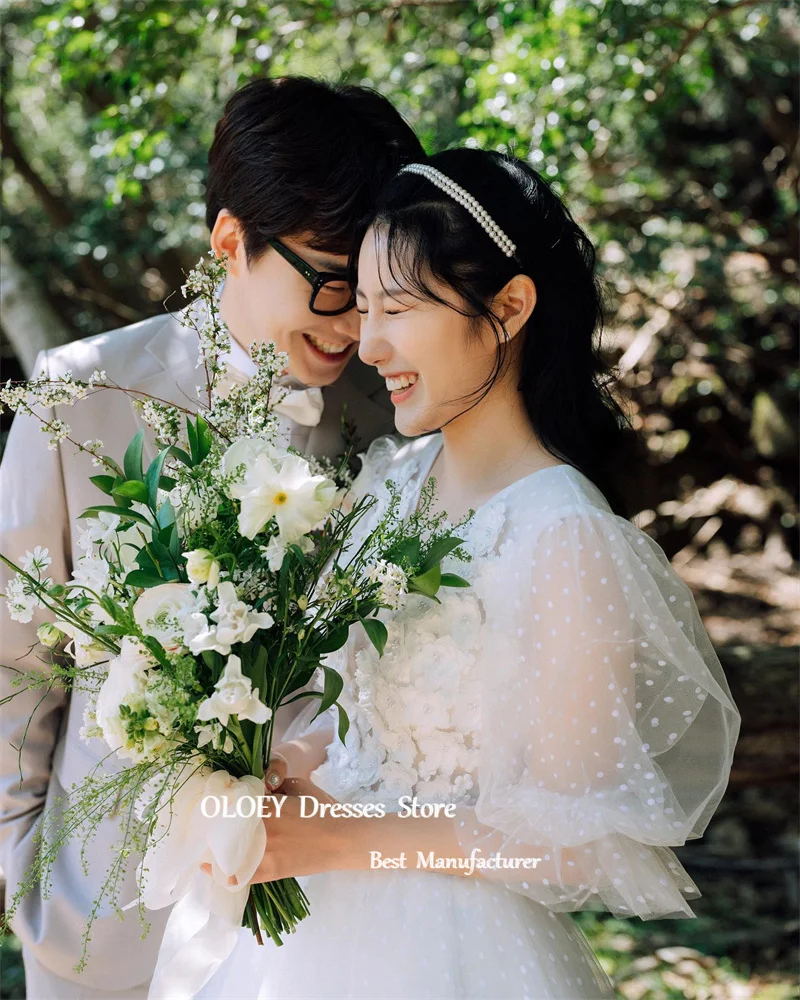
pixel 49 635
pixel 213 576
pixel 198 565
pixel 302 602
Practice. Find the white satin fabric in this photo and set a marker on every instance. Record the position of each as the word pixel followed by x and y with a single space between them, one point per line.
pixel 571 706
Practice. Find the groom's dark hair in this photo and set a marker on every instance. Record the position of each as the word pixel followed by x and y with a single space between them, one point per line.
pixel 293 155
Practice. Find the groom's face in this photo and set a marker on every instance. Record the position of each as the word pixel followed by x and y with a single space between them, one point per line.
pixel 270 301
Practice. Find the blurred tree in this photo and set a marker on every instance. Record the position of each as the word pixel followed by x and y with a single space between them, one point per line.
pixel 670 126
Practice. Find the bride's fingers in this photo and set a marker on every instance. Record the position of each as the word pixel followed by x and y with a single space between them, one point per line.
pixel 206 867
pixel 302 786
pixel 276 771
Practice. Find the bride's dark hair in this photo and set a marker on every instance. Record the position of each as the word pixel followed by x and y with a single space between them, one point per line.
pixel 562 376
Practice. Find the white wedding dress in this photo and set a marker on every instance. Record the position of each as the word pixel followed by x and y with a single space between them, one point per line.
pixel 568 702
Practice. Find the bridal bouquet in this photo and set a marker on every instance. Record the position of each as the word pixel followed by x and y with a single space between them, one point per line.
pixel 213 584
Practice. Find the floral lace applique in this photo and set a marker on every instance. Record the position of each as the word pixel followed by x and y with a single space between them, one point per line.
pixel 415 712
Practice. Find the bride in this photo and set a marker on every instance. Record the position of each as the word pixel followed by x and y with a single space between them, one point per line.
pixel 567 705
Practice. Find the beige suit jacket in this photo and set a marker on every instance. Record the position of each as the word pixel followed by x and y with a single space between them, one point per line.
pixel 43 492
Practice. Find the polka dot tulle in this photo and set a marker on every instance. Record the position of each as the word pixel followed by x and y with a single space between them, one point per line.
pixel 568 703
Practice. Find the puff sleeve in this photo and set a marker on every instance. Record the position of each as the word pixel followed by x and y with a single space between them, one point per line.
pixel 608 727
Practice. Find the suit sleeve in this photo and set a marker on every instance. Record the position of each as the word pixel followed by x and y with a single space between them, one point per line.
pixel 32 512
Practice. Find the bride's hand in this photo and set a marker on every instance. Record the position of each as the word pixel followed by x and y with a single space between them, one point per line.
pixel 299 845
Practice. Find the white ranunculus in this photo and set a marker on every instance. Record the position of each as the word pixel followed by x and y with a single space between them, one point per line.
pixel 234 695
pixel 125 684
pixel 290 493
pixel 162 612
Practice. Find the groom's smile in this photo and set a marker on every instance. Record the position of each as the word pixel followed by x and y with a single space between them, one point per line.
pixel 294 296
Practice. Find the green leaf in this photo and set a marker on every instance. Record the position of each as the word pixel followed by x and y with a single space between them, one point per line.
pixel 111 630
pixel 344 723
pixel 426 583
pixel 132 463
pixel 131 489
pixel 165 515
pixel 152 477
pixel 103 483
pixel 191 433
pixel 333 640
pixel 451 580
pixel 181 455
pixel 131 515
pixel 408 549
pixel 331 690
pixel 438 551
pixel 377 633
pixel 204 438
pixel 141 578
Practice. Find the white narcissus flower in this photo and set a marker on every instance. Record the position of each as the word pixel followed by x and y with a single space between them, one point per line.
pixel 234 695
pixel 163 611
pixel 125 684
pixel 277 486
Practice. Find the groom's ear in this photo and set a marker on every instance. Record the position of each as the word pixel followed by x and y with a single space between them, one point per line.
pixel 227 237
pixel 515 302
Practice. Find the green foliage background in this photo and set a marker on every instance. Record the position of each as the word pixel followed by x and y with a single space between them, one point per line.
pixel 669 126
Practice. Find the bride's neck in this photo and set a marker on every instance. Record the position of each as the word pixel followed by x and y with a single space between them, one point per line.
pixel 491 445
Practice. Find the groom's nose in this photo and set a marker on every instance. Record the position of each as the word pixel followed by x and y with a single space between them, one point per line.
pixel 347 325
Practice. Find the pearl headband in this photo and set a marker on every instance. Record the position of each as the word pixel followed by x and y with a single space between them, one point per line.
pixel 472 205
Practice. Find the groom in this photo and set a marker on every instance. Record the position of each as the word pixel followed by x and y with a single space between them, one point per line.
pixel 293 165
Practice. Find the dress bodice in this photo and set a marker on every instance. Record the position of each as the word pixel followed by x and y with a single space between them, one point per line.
pixel 415 712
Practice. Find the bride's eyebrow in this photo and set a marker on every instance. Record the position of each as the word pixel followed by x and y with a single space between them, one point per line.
pixel 392 292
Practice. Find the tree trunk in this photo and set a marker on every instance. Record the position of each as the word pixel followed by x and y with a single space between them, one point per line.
pixel 30 322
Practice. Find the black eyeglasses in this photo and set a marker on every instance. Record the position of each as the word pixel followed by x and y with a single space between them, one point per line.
pixel 331 294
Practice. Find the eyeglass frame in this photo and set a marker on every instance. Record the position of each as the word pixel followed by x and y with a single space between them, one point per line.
pixel 314 277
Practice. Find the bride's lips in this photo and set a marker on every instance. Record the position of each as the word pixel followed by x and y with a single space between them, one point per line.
pixel 330 359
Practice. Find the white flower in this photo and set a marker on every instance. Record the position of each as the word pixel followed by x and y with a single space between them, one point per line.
pixel 163 612
pixel 92 572
pixel 393 581
pixel 83 648
pixel 275 550
pixel 48 635
pixel 37 561
pixel 282 488
pixel 213 733
pixel 183 838
pixel 234 695
pixel 100 529
pixel 201 566
pixel 235 622
pixel 125 684
pixel 20 602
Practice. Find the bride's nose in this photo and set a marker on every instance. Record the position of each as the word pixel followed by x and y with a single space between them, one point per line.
pixel 373 348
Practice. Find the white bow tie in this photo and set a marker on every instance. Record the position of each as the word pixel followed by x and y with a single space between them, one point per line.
pixel 304 406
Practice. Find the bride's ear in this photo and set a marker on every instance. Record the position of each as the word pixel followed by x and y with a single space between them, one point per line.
pixel 515 302
pixel 227 238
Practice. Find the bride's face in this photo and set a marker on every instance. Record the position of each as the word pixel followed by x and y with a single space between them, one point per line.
pixel 433 360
